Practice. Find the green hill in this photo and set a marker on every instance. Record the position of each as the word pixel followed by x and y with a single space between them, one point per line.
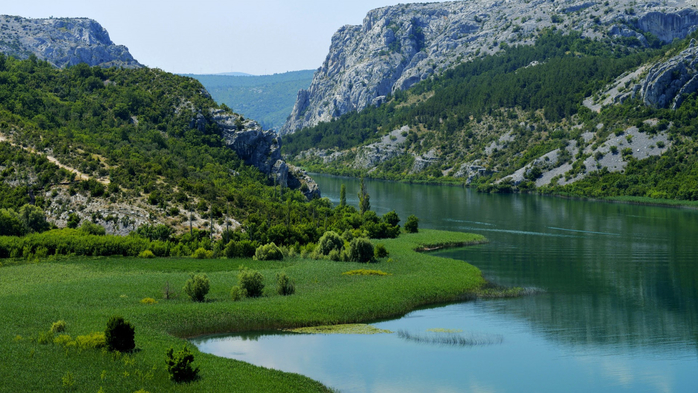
pixel 268 99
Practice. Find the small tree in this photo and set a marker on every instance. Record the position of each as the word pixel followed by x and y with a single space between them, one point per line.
pixel 73 220
pixel 360 250
pixel 343 196
pixel 33 218
pixel 268 252
pixel 197 287
pixel 284 285
pixel 412 224
pixel 251 281
pixel 328 242
pixel 391 218
pixel 179 365
pixel 364 198
pixel 119 335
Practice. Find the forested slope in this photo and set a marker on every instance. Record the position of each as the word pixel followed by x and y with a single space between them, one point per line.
pixel 516 120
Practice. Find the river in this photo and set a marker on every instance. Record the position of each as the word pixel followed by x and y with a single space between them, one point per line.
pixel 619 311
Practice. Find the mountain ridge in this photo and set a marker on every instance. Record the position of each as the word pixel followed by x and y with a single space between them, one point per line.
pixel 398 46
pixel 63 42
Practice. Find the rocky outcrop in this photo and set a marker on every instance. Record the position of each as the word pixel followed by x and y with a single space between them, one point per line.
pixel 668 83
pixel 62 42
pixel 259 148
pixel 401 45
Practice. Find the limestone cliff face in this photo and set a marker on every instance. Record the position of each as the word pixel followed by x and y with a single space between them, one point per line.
pixel 398 46
pixel 259 148
pixel 62 42
pixel 669 83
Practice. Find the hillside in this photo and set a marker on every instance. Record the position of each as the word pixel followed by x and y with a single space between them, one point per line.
pixel 126 147
pixel 566 115
pixel 267 98
pixel 399 46
pixel 62 42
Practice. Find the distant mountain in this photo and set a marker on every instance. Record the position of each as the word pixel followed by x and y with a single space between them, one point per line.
pixel 62 42
pixel 233 74
pixel 268 98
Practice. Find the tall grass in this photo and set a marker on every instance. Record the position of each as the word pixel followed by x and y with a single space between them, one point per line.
pixel 85 292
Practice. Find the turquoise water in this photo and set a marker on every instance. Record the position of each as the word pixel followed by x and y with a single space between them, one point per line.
pixel 619 311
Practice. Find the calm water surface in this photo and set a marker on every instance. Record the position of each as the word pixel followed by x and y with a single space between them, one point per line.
pixel 619 312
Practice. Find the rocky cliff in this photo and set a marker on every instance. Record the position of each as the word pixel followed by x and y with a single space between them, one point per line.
pixel 259 148
pixel 398 46
pixel 62 42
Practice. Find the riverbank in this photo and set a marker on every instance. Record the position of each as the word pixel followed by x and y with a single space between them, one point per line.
pixel 632 200
pixel 85 292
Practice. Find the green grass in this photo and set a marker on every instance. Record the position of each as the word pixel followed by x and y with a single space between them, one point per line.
pixel 85 292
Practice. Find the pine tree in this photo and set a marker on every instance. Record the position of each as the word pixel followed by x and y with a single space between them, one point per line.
pixel 364 198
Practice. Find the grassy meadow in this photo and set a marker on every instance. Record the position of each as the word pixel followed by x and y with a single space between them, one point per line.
pixel 85 292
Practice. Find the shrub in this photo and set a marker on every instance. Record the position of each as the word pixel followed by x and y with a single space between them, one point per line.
pixel 58 327
pixel 391 218
pixel 93 340
pixel 412 224
pixel 92 229
pixel 284 285
pixel 197 287
pixel 149 300
pixel 73 221
pixel 251 281
pixel 247 248
pixel 202 253
pixel 328 242
pixel 237 293
pixel 360 250
pixel 146 254
pixel 119 335
pixel 380 251
pixel 179 366
pixel 268 252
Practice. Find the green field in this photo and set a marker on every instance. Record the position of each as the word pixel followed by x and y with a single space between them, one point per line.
pixel 85 292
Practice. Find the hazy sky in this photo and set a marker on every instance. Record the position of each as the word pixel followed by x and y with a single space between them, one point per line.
pixel 212 36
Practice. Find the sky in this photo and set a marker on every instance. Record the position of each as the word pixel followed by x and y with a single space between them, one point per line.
pixel 258 37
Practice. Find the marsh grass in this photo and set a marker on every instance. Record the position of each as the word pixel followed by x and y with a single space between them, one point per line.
pixel 451 339
pixel 84 292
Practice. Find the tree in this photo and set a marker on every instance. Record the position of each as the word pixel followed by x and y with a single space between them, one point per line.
pixel 119 335
pixel 343 196
pixel 197 287
pixel 73 220
pixel 179 365
pixel 10 223
pixel 364 198
pixel 33 218
pixel 412 224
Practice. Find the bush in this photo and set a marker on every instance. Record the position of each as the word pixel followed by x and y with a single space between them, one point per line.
pixel 380 251
pixel 92 229
pixel 412 224
pixel 268 252
pixel 33 218
pixel 146 254
pixel 10 223
pixel 360 250
pixel 328 242
pixel 237 293
pixel 202 253
pixel 119 335
pixel 58 327
pixel 284 285
pixel 73 221
pixel 93 340
pixel 197 287
pixel 391 218
pixel 251 281
pixel 179 366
